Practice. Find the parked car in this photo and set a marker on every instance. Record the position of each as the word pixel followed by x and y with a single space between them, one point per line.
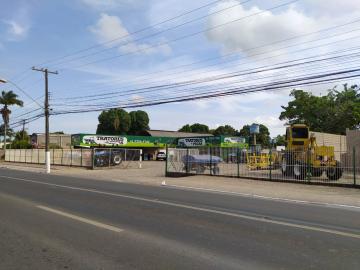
pixel 161 155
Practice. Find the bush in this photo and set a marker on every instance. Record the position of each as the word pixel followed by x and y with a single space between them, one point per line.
pixel 22 144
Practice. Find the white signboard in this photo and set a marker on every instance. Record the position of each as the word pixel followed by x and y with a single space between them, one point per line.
pixel 234 140
pixel 191 142
pixel 105 140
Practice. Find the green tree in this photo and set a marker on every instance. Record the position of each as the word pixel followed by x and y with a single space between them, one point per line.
pixel 114 122
pixel 22 135
pixel 8 98
pixel 262 138
pixel 21 140
pixel 199 128
pixel 195 128
pixel 9 131
pixel 280 140
pixel 332 113
pixel 186 128
pixel 139 122
pixel 225 130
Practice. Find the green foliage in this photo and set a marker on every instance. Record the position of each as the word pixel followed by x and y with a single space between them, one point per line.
pixel 21 144
pixel 186 128
pixel 9 131
pixel 262 138
pixel 225 130
pixel 58 132
pixel 139 122
pixel 195 128
pixel 22 135
pixel 114 122
pixel 8 98
pixel 280 140
pixel 333 113
pixel 21 140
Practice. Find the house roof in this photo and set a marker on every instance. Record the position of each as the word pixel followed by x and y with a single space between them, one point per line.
pixel 175 134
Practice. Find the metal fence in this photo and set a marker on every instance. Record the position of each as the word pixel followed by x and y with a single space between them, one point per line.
pixel 120 158
pixel 91 158
pixel 336 168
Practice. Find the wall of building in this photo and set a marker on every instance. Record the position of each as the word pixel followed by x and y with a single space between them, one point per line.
pixel 64 141
pixel 353 142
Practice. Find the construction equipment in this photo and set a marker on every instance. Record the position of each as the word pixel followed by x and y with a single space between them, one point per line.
pixel 256 159
pixel 303 158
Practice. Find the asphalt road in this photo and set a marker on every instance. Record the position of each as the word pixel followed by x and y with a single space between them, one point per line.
pixel 57 222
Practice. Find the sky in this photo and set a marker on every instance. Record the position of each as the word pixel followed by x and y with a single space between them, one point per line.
pixel 47 34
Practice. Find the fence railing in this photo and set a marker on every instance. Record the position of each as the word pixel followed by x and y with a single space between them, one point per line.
pixel 323 166
pixel 112 157
pixel 91 158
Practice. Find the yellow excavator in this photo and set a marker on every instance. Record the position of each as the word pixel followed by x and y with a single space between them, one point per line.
pixel 304 158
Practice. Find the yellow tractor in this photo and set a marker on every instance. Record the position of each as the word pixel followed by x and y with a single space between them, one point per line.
pixel 258 160
pixel 303 158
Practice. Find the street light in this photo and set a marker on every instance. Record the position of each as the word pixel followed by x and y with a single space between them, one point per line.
pixel 3 81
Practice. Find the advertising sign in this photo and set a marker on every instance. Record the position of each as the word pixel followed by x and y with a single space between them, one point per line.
pixel 234 140
pixel 254 129
pixel 105 140
pixel 191 142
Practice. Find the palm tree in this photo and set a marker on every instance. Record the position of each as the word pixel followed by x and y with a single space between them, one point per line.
pixel 8 99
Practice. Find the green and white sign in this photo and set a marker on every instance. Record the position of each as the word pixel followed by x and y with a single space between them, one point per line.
pixel 104 140
pixel 191 142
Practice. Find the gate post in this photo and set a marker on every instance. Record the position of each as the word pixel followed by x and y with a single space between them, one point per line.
pixel 308 167
pixel 166 160
pixel 238 162
pixel 187 161
pixel 354 165
pixel 210 160
pixel 270 163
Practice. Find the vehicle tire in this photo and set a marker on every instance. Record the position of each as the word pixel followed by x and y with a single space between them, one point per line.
pixel 99 162
pixel 316 172
pixel 117 159
pixel 286 167
pixel 200 170
pixel 334 173
pixel 216 170
pixel 299 171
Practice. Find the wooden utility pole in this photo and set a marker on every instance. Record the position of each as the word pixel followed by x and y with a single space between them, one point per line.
pixel 23 128
pixel 47 113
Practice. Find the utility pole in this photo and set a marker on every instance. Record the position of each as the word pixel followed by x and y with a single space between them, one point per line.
pixel 47 113
pixel 23 128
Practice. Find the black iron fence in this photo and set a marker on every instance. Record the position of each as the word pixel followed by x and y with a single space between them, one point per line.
pixel 91 158
pixel 323 166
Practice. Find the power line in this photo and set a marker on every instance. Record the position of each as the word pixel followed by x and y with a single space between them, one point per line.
pixel 243 72
pixel 135 32
pixel 185 36
pixel 117 46
pixel 247 57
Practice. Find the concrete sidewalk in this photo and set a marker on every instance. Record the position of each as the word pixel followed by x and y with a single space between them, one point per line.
pixel 153 173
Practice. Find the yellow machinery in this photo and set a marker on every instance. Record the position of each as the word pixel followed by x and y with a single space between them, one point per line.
pixel 303 158
pixel 256 160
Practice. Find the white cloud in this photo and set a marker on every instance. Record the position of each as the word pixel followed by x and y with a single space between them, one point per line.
pixel 264 28
pixel 110 28
pixel 109 4
pixel 16 31
pixel 332 7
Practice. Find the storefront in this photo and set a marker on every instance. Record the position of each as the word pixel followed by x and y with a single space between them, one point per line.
pixel 150 145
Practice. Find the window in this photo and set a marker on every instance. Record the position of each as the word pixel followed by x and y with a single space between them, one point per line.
pixel 300 133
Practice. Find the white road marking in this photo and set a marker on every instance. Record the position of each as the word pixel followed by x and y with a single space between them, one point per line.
pixel 201 209
pixel 81 219
pixel 262 197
